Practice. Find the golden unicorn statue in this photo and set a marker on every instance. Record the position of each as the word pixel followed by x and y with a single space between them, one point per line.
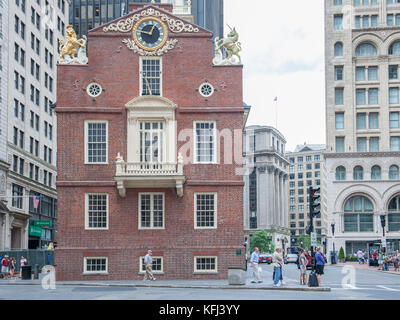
pixel 231 45
pixel 69 46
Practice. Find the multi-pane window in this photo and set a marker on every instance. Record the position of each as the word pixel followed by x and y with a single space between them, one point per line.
pixel 338 73
pixel 358 215
pixel 393 95
pixel 373 120
pixel 339 120
pixel 205 264
pixel 96 142
pixel 338 22
pixel 151 211
pixel 376 173
pixel 205 137
pixel 151 77
pixel 339 96
pixel 339 144
pixel 373 144
pixel 394 120
pixel 95 265
pixel 206 210
pixel 17 196
pixel 338 49
pixel 340 173
pixel 393 72
pixel 394 143
pixel 151 142
pixel 96 211
pixel 394 214
pixel 157 264
pixel 358 173
pixel 394 173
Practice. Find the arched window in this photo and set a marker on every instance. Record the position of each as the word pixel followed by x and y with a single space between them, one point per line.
pixel 358 215
pixel 366 50
pixel 394 214
pixel 338 49
pixel 376 173
pixel 340 173
pixel 394 49
pixel 394 172
pixel 358 173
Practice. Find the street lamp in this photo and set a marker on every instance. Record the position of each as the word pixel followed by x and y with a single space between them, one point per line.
pixel 383 224
pixel 333 256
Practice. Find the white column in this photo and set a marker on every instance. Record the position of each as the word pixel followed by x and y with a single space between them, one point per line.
pixel 270 200
pixel 276 209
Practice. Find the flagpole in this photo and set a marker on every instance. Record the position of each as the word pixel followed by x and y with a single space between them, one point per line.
pixel 276 114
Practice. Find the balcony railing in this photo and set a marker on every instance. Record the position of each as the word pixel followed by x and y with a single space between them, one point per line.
pixel 149 175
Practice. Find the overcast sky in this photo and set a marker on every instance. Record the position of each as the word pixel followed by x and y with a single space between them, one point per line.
pixel 283 56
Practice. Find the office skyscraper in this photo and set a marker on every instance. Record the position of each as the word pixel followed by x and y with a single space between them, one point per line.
pixel 88 14
pixel 362 48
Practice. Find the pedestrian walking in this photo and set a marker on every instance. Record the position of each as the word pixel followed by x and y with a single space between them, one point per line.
pixel 360 256
pixel 385 262
pixel 148 261
pixel 320 263
pixel 380 260
pixel 278 264
pixel 254 265
pixel 375 258
pixel 396 259
pixel 12 267
pixel 303 268
pixel 5 263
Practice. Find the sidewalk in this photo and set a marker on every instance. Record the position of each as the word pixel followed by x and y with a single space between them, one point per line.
pixel 190 284
pixel 365 267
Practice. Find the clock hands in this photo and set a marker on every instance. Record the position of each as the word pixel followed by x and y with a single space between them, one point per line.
pixel 149 32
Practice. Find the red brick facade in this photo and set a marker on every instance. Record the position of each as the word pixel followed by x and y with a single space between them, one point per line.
pixel 116 69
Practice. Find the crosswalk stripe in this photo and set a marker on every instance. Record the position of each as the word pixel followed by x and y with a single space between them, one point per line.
pixel 390 289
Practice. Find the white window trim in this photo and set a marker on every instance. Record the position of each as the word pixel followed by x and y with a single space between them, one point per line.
pixel 94 272
pixel 154 271
pixel 215 210
pixel 152 211
pixel 86 142
pixel 87 211
pixel 195 143
pixel 141 78
pixel 205 271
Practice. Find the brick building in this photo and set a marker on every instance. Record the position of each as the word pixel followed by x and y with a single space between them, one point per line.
pixel 140 161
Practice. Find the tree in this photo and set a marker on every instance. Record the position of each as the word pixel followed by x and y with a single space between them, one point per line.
pixel 263 241
pixel 341 254
pixel 306 239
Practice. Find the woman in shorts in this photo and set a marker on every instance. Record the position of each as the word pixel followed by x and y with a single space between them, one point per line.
pixel 320 263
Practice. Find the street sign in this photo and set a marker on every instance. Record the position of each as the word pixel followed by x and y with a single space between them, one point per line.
pixel 383 242
pixel 35 231
pixel 42 223
pixel 313 239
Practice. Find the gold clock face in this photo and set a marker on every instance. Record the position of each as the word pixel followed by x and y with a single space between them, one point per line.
pixel 150 34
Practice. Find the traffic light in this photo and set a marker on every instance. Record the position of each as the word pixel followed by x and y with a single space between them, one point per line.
pixel 309 229
pixel 315 201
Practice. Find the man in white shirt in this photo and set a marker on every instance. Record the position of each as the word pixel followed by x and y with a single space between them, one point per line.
pixel 254 265
pixel 148 261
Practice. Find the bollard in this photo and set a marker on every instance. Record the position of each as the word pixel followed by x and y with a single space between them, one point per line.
pixel 36 272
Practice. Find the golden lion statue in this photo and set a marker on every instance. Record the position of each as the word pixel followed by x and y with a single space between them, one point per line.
pixel 69 46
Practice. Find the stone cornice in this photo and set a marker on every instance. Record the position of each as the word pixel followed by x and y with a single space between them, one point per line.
pixel 33 183
pixel 362 154
pixel 31 156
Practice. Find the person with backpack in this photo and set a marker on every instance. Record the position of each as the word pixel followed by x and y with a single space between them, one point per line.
pixel 303 268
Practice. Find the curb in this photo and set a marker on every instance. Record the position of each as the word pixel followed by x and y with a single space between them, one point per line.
pixel 313 289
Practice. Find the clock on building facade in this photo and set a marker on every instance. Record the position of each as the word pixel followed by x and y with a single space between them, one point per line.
pixel 150 33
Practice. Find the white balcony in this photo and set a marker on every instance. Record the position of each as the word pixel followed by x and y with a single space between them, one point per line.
pixel 149 175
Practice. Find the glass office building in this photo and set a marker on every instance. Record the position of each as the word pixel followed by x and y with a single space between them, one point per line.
pixel 85 15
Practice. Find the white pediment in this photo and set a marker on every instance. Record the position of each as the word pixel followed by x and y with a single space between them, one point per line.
pixel 144 103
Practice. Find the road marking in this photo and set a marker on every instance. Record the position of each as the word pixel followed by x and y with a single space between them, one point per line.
pixel 390 289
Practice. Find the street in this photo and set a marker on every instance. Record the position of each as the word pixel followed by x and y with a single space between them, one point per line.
pixel 368 285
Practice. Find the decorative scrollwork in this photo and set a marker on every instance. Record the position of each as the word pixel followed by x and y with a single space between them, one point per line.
pixel 169 45
pixel 126 25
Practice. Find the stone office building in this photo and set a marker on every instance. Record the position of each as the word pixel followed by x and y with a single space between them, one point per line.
pixel 362 53
pixel 266 184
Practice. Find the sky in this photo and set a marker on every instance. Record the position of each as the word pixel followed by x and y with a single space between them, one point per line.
pixel 283 56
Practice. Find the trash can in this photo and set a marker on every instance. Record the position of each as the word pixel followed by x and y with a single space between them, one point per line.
pixel 26 273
